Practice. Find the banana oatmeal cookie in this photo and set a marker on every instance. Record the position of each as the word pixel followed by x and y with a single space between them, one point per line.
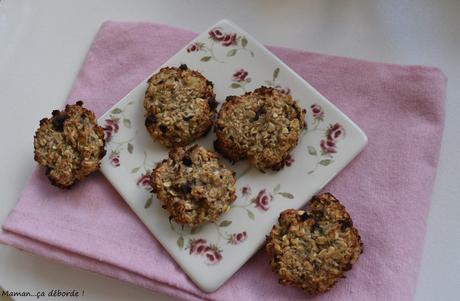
pixel 69 144
pixel 193 186
pixel 263 125
pixel 313 249
pixel 180 106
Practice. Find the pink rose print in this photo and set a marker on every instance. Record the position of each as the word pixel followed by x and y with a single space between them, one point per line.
pixel 240 75
pixel 229 40
pixel 328 146
pixel 263 200
pixel 226 39
pixel 144 181
pixel 197 246
pixel 246 190
pixel 289 160
pixel 114 159
pixel 197 46
pixel 329 143
pixel 216 34
pixel 335 132
pixel 237 238
pixel 317 111
pixel 111 127
pixel 282 89
pixel 212 254
pixel 240 79
pixel 219 37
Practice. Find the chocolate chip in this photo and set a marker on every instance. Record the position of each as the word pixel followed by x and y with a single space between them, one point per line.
pixel 79 103
pixel 187 118
pixel 186 189
pixel 212 103
pixel 216 146
pixel 58 122
pixel 347 267
pixel 315 227
pixel 183 67
pixel 187 161
pixel 318 215
pixel 55 112
pixel 209 83
pixel 200 202
pixel 103 154
pixel 164 206
pixel 163 128
pixel 344 225
pixel 304 216
pixel 259 112
pixel 150 120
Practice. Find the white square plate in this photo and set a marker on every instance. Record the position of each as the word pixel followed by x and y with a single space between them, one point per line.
pixel 235 62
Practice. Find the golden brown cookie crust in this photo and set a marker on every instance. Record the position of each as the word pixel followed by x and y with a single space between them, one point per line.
pixel 193 186
pixel 180 106
pixel 263 126
pixel 313 249
pixel 70 145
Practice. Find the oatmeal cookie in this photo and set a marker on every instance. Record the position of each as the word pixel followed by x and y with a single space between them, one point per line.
pixel 193 186
pixel 180 106
pixel 263 125
pixel 69 144
pixel 313 249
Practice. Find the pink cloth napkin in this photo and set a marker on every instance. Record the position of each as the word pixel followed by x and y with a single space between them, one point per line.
pixel 387 188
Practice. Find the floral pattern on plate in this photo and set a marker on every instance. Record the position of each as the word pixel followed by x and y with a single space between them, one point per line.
pixel 111 127
pixel 274 83
pixel 217 36
pixel 261 201
pixel 328 143
pixel 235 63
pixel 240 79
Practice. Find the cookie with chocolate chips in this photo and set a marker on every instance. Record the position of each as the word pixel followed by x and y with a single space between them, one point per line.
pixel 193 186
pixel 69 145
pixel 180 106
pixel 313 249
pixel 263 126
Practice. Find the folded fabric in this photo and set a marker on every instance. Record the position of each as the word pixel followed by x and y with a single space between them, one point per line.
pixel 387 188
